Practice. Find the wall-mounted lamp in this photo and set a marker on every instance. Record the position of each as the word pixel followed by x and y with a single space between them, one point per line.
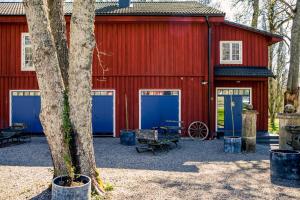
pixel 238 81
pixel 204 82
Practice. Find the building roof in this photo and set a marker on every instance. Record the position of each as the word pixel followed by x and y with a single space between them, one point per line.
pixel 244 71
pixel 249 28
pixel 187 8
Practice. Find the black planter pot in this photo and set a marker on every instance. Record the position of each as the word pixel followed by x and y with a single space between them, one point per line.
pixel 232 144
pixel 81 192
pixel 285 165
pixel 127 137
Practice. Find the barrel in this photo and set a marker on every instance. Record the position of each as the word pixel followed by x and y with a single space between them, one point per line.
pixel 127 137
pixel 285 165
pixel 249 131
pixel 232 144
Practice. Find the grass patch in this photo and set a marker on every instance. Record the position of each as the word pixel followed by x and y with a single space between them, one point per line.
pixel 221 117
pixel 108 187
pixel 274 129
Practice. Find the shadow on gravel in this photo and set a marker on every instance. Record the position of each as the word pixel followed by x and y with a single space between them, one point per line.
pixel 110 154
pixel 45 195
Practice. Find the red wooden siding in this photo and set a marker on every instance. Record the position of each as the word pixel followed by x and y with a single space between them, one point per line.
pixel 147 53
pixel 150 55
pixel 255 46
pixel 152 49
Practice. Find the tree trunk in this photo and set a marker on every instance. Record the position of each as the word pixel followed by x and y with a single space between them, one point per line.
pixel 80 74
pixel 58 29
pixel 291 95
pixel 255 15
pixel 49 80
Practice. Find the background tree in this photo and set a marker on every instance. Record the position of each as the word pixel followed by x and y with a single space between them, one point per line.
pixel 274 16
pixel 64 78
pixel 292 91
pixel 277 22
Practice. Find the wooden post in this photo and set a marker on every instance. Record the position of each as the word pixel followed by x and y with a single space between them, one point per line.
pixel 249 131
pixel 287 119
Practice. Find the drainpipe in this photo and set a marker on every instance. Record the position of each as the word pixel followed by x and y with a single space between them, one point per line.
pixel 209 71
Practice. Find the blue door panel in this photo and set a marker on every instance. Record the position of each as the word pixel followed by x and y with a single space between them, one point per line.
pixel 102 115
pixel 26 109
pixel 237 115
pixel 156 109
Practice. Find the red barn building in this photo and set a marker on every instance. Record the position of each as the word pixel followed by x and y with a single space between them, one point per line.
pixel 173 61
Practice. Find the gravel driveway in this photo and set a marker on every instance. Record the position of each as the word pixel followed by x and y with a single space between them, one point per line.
pixel 196 170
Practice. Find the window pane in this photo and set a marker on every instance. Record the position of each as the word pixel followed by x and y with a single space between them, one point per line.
pixel 220 112
pixel 27 40
pixel 235 51
pixel 28 57
pixel 246 101
pixel 225 51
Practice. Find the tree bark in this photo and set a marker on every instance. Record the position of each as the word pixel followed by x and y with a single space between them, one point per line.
pixel 80 85
pixel 49 80
pixel 255 15
pixel 291 95
pixel 58 29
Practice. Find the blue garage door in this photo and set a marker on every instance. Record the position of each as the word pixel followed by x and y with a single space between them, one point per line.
pixel 25 108
pixel 103 113
pixel 158 106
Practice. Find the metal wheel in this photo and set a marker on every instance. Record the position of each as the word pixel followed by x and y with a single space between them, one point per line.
pixel 198 130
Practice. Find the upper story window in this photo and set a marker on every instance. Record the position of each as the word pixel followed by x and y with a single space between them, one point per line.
pixel 27 63
pixel 231 52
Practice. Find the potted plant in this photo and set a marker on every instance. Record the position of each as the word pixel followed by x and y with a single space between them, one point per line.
pixel 127 136
pixel 232 144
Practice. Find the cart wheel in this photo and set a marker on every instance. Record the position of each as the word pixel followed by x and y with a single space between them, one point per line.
pixel 198 130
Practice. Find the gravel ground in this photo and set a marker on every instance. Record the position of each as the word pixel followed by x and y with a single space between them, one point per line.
pixel 195 170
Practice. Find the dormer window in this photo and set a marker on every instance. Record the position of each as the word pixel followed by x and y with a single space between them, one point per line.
pixel 27 62
pixel 231 52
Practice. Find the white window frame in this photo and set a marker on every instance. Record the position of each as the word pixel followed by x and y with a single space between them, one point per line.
pixel 23 46
pixel 158 90
pixel 230 61
pixel 228 88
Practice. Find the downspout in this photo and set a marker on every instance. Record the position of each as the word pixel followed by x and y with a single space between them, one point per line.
pixel 209 72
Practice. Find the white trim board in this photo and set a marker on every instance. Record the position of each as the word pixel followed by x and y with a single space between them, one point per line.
pixel 158 90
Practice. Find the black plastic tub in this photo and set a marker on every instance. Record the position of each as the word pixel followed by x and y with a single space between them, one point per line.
pixel 285 166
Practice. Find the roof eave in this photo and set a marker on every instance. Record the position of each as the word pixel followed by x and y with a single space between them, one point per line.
pixel 273 38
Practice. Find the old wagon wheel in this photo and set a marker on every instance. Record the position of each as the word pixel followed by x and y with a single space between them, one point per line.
pixel 198 130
